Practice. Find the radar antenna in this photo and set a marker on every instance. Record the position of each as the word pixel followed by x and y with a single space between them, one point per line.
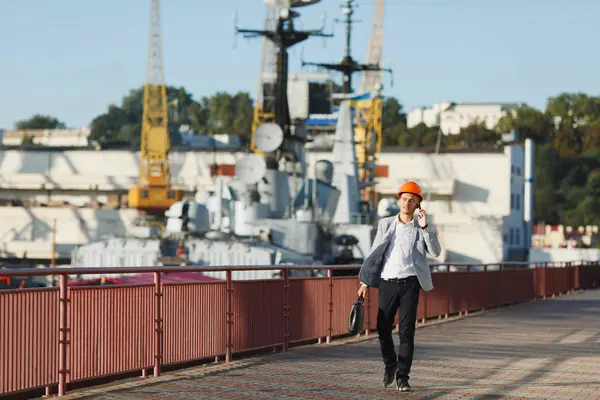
pixel 268 137
pixel 250 169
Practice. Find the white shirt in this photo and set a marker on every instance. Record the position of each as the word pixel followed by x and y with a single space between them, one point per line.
pixel 397 258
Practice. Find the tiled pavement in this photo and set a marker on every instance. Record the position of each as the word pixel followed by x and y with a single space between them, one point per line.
pixel 543 349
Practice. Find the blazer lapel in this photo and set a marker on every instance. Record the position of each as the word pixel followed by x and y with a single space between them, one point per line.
pixel 389 230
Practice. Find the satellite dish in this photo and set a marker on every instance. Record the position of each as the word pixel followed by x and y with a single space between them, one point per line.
pixel 268 137
pixel 250 169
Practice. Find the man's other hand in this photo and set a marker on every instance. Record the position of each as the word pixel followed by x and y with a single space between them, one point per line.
pixel 362 291
pixel 422 218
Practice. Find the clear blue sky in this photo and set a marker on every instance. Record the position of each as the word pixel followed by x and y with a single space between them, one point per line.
pixel 71 58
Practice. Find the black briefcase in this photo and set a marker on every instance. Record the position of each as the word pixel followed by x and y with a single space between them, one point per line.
pixel 356 321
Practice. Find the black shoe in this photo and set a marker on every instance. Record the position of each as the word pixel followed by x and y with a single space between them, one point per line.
pixel 403 386
pixel 389 376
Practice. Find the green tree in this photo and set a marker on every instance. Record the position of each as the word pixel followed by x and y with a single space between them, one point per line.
pixel 475 135
pixel 393 121
pixel 569 140
pixel 587 199
pixel 396 135
pixel 547 174
pixel 184 110
pixel 229 115
pixel 39 121
pixel 392 112
pixel 422 136
pixel 116 125
pixel 529 123
pixel 591 136
pixel 592 188
pixel 124 123
pixel 578 106
pixel 244 113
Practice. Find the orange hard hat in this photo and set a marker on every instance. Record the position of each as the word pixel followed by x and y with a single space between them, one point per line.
pixel 411 187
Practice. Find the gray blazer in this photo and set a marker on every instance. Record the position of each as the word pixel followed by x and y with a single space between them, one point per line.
pixel 370 272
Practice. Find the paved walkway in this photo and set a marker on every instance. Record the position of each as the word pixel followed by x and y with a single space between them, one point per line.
pixel 542 349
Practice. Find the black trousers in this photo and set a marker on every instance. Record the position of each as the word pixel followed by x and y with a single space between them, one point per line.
pixel 400 295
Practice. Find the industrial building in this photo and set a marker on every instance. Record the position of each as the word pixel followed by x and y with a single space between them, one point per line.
pixel 475 197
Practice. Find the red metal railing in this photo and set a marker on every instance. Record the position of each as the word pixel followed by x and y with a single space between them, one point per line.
pixel 54 336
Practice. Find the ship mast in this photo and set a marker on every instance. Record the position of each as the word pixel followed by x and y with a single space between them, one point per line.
pixel 284 36
pixel 348 65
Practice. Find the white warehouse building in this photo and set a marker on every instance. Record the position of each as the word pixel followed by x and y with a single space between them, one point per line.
pixel 477 197
pixel 452 117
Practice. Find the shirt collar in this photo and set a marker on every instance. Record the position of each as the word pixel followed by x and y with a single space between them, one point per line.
pixel 398 222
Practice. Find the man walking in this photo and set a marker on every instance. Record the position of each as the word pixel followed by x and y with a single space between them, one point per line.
pixel 397 265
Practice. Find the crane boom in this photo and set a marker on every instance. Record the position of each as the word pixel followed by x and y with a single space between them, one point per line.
pixel 153 193
pixel 371 79
pixel 369 112
pixel 154 169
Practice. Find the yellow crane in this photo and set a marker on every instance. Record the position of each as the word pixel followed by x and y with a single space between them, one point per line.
pixel 369 123
pixel 154 194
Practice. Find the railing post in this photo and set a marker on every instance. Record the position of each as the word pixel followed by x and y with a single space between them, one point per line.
pixel 158 324
pixel 535 280
pixel 545 280
pixel 368 309
pixel 229 311
pixel 286 309
pixel 424 307
pixel 576 273
pixel 63 334
pixel 485 302
pixel 447 315
pixel 330 330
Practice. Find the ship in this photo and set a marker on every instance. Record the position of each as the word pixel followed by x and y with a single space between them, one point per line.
pixel 275 211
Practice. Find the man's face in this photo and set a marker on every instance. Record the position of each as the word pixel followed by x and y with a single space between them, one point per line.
pixel 408 203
